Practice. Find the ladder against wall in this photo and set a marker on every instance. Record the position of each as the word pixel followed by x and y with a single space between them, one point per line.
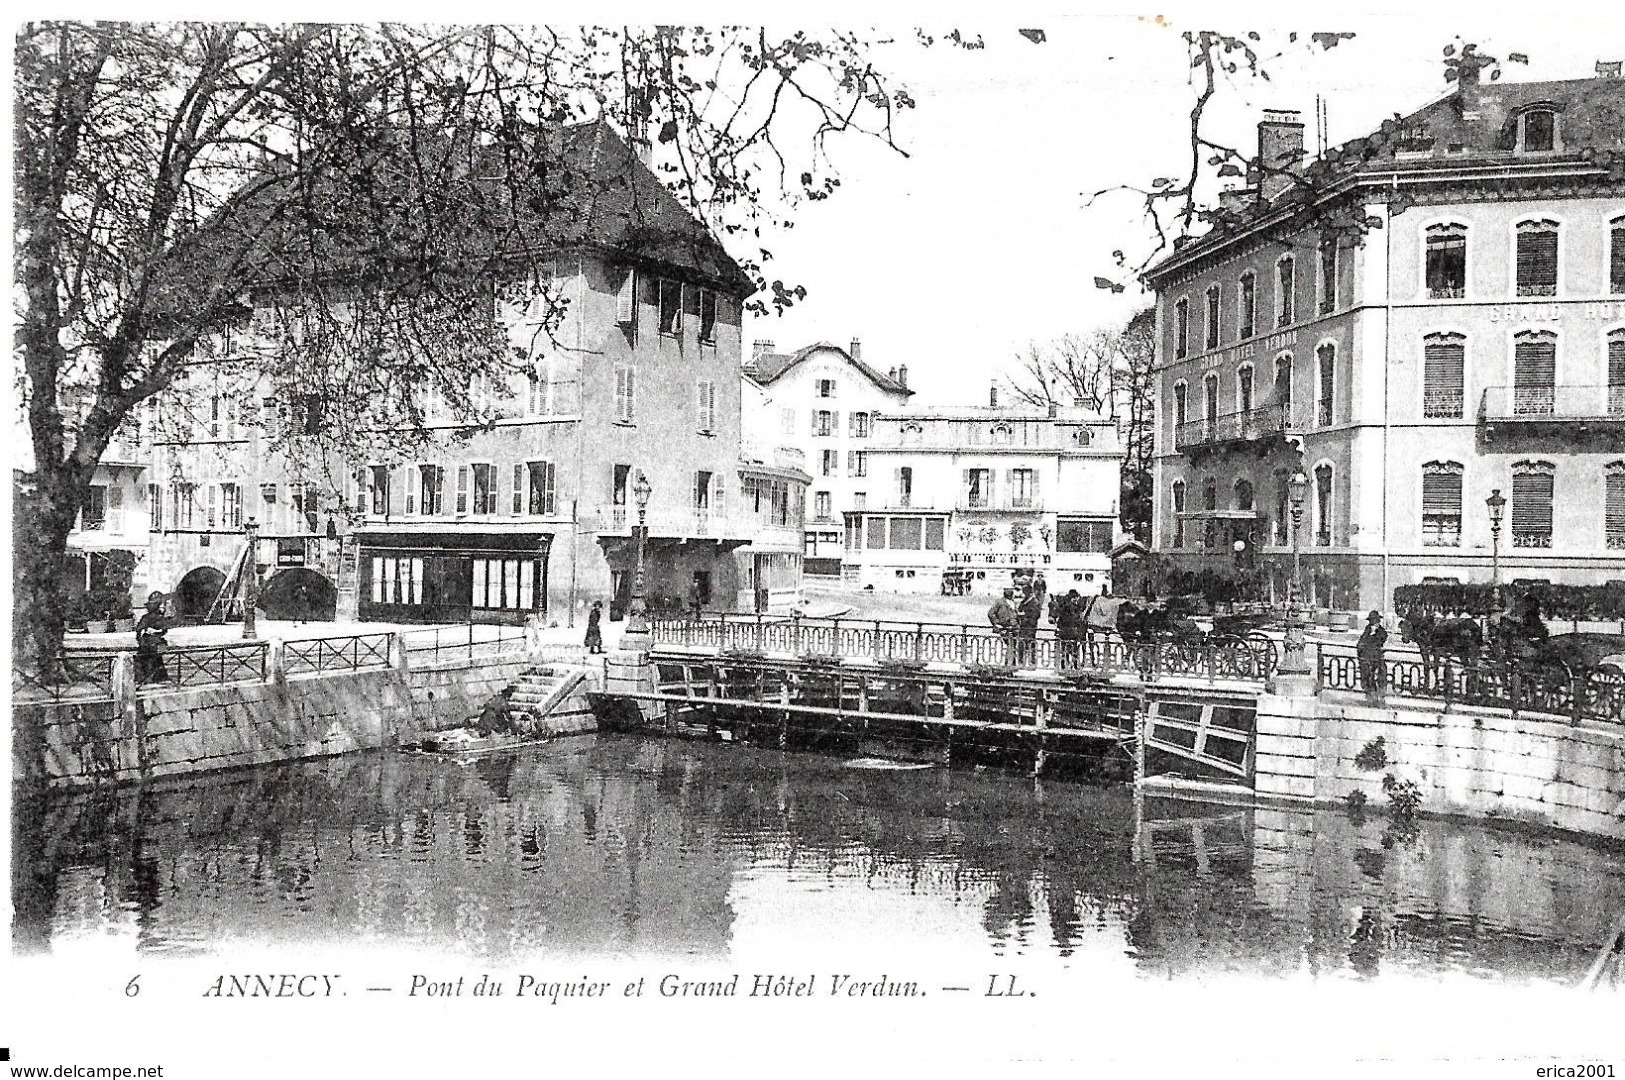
pixel 229 601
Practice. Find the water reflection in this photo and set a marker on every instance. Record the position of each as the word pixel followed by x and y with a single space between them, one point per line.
pixel 626 847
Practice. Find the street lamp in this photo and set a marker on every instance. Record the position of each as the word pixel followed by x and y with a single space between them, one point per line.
pixel 1497 504
pixel 251 571
pixel 636 637
pixel 1295 662
pixel 1240 548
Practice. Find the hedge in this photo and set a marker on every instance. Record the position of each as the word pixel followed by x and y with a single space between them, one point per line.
pixel 1591 603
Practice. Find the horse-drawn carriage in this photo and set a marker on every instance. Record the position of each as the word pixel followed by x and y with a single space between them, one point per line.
pixel 1166 635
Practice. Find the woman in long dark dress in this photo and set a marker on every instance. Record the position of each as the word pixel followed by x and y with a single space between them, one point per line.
pixel 595 636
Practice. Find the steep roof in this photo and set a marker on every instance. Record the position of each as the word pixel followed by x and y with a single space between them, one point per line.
pixel 584 187
pixel 769 367
pixel 1472 128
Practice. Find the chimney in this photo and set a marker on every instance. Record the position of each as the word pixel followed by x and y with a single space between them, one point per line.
pixel 1237 199
pixel 1609 69
pixel 856 351
pixel 902 376
pixel 1054 410
pixel 1280 149
pixel 760 348
pixel 993 396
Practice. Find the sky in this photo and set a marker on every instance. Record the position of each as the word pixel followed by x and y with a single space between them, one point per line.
pixel 954 259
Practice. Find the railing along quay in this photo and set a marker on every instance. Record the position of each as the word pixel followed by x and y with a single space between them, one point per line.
pixel 451 642
pixel 336 654
pixel 86 675
pixel 1211 659
pixel 1552 689
pixel 206 665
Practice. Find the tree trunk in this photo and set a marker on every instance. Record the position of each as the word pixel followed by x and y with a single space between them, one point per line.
pixel 39 546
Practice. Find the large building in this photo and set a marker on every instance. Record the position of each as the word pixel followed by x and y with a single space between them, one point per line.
pixel 823 401
pixel 533 512
pixel 991 491
pixel 1434 314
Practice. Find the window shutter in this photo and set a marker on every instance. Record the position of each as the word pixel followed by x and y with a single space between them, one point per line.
pixel 1534 375
pixel 1032 487
pixel 549 501
pixel 1616 371
pixel 626 301
pixel 1441 492
pixel 1614 506
pixel 1537 259
pixel 462 489
pixel 1443 364
pixel 518 488
pixel 1532 502
pixel 631 394
pixel 719 491
pixel 1616 258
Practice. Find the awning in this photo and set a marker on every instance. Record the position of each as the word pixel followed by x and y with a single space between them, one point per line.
pixel 444 543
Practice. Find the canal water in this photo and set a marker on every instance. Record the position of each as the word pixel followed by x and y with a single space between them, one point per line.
pixel 626 847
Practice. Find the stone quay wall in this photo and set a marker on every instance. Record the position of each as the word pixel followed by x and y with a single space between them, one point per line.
pixel 156 733
pixel 1466 761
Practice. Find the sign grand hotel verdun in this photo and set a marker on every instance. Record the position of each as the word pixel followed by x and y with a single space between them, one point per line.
pixel 1556 310
pixel 1248 349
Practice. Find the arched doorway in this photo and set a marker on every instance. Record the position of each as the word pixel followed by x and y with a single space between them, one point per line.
pixel 196 592
pixel 299 595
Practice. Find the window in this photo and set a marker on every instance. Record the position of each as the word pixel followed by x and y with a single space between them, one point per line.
pixel 1283 382
pixel 857 462
pixel 1613 513
pixel 1023 488
pixel 1000 434
pixel 94 515
pixel 1283 508
pixel 1284 272
pixel 1532 504
pixel 859 425
pixel 1616 256
pixel 1181 413
pixel 1539 130
pixel 485 489
pixel 826 388
pixel 671 307
pixel 824 422
pixel 1210 332
pixel 431 489
pixel 1182 328
pixel 231 505
pixel 708 317
pixel 1616 373
pixel 462 489
pixel 1537 258
pixel 1534 373
pixel 185 505
pixel 875 533
pixel 1328 275
pixel 1323 505
pixel 626 385
pixel 1179 512
pixel 1243 495
pixel 787 421
pixel 1083 535
pixel 823 505
pixel 1441 504
pixel 155 508
pixel 706 391
pixel 860 500
pixel 379 476
pixel 829 463
pixel 1247 305
pixel 936 532
pixel 505 584
pixel 1327 396
pixel 978 488
pixel 1446 262
pixel 1244 388
pixel 912 433
pixel 1443 363
pixel 1210 401
pixel 1210 501
pixel 541 389
pixel 905 486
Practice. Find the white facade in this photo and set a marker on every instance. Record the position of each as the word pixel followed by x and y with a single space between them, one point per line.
pixel 993 491
pixel 822 401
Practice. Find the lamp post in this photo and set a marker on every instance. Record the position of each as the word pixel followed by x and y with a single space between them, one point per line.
pixel 636 637
pixel 1497 504
pixel 1294 661
pixel 251 571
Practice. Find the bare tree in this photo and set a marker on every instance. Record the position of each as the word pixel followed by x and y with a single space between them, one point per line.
pixel 369 191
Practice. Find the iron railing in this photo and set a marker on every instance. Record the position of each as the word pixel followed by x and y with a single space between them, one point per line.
pixel 1535 403
pixel 1242 426
pixel 1200 657
pixel 470 640
pixel 1553 689
pixel 73 675
pixel 206 665
pixel 336 654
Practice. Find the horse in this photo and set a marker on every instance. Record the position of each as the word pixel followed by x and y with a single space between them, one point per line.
pixel 1442 640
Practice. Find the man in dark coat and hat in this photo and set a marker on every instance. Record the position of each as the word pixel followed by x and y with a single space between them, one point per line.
pixel 1373 676
pixel 150 641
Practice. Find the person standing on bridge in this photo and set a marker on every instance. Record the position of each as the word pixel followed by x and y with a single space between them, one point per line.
pixel 1002 617
pixel 1373 675
pixel 1032 609
pixel 150 642
pixel 1068 620
pixel 595 635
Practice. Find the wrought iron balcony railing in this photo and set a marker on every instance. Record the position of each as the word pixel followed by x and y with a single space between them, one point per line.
pixel 1241 426
pixel 1552 403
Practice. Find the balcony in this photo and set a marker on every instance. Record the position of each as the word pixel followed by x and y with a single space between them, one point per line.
pixel 1590 413
pixel 1242 426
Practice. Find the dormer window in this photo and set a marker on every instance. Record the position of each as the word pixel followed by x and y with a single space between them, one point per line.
pixel 1537 130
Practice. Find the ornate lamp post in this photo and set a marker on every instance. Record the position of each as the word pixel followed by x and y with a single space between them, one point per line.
pixel 1294 661
pixel 636 637
pixel 251 574
pixel 1497 504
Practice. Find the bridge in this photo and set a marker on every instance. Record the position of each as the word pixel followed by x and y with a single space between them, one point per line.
pixel 942 692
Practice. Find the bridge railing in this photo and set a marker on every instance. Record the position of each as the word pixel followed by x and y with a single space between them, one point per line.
pixel 922 642
pixel 1553 689
pixel 336 654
